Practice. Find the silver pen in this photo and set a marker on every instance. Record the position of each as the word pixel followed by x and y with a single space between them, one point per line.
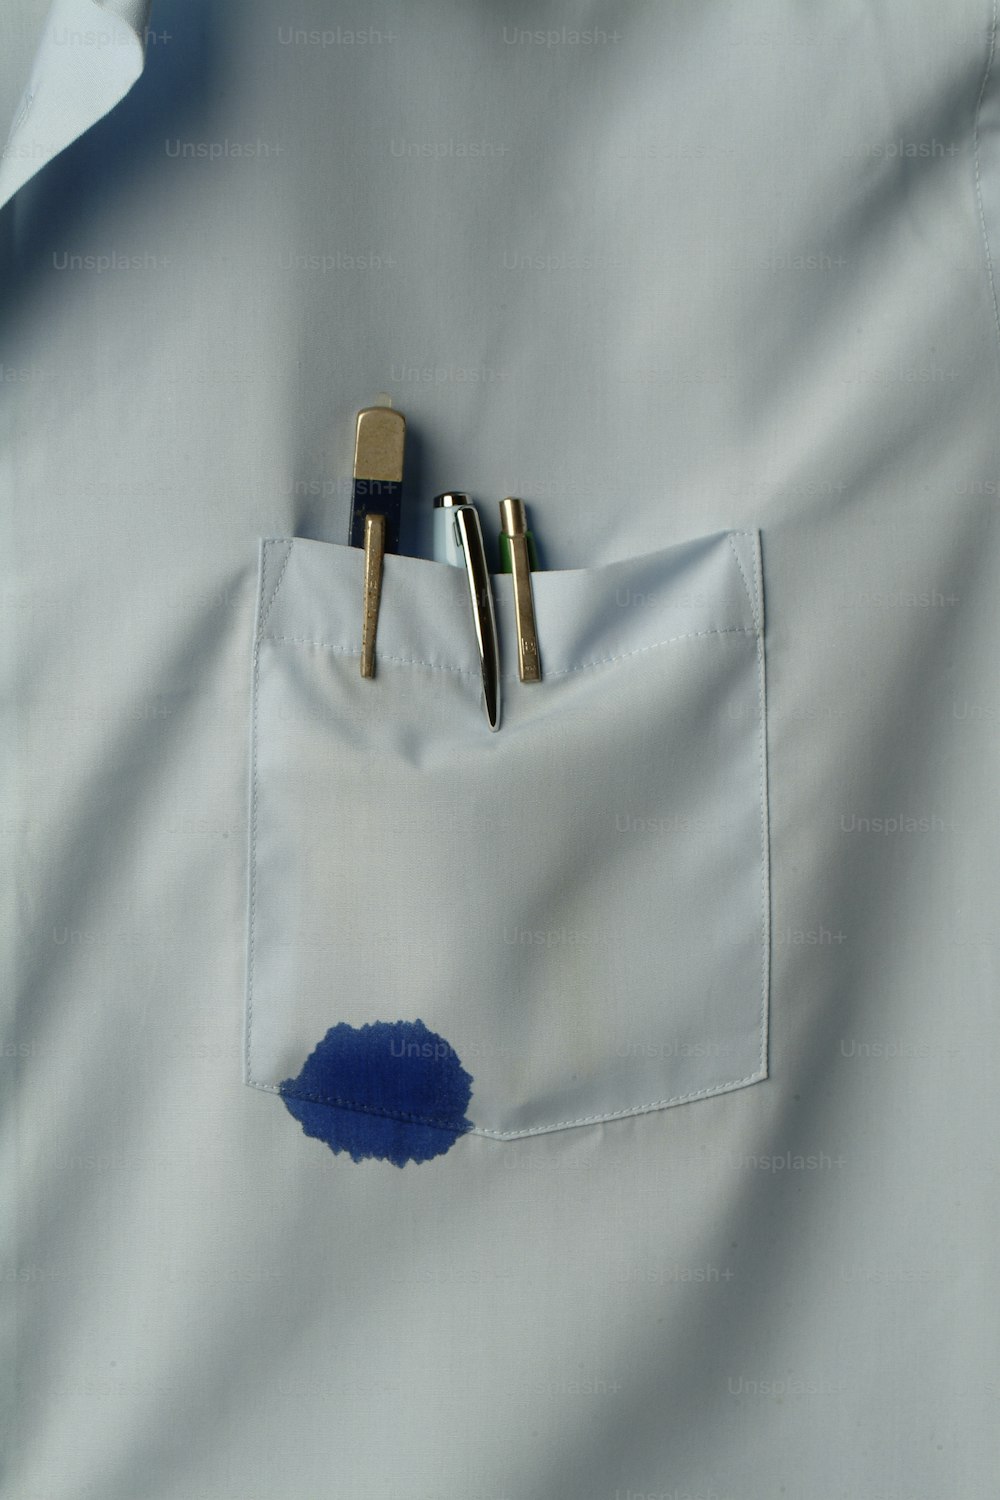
pixel 458 539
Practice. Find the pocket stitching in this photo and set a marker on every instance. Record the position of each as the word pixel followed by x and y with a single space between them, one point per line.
pixel 274 592
pixel 746 585
pixel 619 1114
pixel 252 873
pixel 599 661
pixel 765 848
pixel 355 1107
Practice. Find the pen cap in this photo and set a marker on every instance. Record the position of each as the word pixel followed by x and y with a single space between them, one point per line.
pixel 514 522
pixel 444 537
pixel 378 444
pixel 513 517
pixel 378 473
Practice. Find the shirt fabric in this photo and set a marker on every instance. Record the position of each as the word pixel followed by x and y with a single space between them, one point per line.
pixel 713 287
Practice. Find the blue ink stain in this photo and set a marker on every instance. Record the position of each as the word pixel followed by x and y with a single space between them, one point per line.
pixel 393 1090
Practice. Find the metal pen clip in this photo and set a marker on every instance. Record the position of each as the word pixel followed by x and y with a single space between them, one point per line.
pixel 468 535
pixel 374 558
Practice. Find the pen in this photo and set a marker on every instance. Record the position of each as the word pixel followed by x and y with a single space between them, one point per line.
pixel 458 540
pixel 518 557
pixel 378 472
pixel 375 505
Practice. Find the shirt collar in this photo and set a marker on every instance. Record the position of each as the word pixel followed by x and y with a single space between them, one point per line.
pixel 89 56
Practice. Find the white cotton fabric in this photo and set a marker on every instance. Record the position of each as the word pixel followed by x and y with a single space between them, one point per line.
pixel 89 56
pixel 671 273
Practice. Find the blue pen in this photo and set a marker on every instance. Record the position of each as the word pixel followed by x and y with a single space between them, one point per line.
pixel 375 507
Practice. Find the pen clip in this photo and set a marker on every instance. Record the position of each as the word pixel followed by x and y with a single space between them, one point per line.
pixel 470 536
pixel 374 558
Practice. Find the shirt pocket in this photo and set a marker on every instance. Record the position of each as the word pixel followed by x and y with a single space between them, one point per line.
pixel 577 903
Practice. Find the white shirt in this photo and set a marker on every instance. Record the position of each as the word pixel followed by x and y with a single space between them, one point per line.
pixel 713 289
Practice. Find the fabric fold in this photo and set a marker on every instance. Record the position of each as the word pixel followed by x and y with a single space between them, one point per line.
pixel 88 59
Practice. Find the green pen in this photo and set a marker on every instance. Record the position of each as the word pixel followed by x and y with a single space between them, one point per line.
pixel 516 514
pixel 519 557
